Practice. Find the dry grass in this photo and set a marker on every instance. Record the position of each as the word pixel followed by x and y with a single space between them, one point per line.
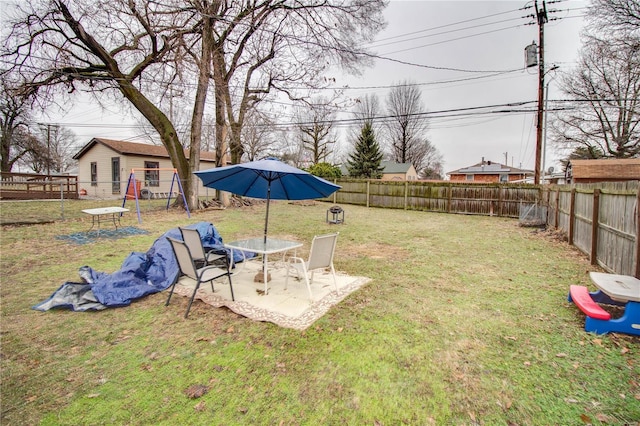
pixel 464 322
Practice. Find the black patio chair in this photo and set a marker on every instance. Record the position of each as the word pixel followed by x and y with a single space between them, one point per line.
pixel 204 274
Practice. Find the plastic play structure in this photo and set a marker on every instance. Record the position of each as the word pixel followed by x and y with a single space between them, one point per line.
pixel 615 290
pixel 133 188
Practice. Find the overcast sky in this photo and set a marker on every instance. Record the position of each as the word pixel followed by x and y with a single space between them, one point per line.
pixel 474 36
pixel 463 54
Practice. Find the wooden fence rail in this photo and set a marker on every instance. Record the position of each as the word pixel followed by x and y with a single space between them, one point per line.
pixel 601 220
pixel 446 197
pixel 29 186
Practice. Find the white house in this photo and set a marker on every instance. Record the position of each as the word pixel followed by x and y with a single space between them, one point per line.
pixel 105 167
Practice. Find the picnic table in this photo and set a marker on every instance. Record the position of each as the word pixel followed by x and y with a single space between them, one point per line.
pixel 618 290
pixel 105 214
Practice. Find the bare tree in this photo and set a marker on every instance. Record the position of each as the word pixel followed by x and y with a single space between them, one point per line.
pixel 208 134
pixel 289 149
pixel 616 15
pixel 51 151
pixel 407 128
pixel 606 89
pixel 105 47
pixel 286 47
pixel 257 134
pixel 140 48
pixel 315 126
pixel 16 140
pixel 431 164
pixel 368 109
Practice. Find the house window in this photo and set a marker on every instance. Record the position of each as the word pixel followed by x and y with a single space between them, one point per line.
pixel 115 175
pixel 152 177
pixel 94 173
pixel 504 178
pixel 469 177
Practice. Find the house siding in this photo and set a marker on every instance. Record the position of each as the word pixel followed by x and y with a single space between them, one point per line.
pixel 410 174
pixel 394 176
pixel 489 172
pixel 102 155
pixel 484 178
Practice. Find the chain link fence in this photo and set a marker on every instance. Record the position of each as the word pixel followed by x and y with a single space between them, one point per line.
pixel 61 205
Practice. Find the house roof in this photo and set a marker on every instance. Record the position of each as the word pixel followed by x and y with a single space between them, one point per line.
pixel 618 168
pixel 389 167
pixel 139 149
pixel 490 168
pixel 392 167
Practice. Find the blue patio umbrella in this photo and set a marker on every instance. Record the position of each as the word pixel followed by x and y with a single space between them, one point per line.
pixel 267 179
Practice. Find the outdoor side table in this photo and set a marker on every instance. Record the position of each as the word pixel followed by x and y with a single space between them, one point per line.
pixel 103 214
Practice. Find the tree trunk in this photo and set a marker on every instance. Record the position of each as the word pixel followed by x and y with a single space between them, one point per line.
pixel 165 130
pixel 198 107
pixel 154 115
pixel 217 55
pixel 235 145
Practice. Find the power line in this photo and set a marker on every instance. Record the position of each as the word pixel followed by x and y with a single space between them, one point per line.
pixel 436 114
pixel 444 32
pixel 451 24
pixel 194 85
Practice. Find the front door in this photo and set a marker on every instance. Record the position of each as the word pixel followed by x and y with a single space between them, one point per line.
pixel 115 175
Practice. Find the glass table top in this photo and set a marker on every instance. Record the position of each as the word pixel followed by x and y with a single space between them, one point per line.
pixel 257 245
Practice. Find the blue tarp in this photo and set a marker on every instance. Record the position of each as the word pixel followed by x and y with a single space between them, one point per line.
pixel 140 274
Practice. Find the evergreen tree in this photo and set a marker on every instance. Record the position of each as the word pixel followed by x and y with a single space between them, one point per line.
pixel 365 161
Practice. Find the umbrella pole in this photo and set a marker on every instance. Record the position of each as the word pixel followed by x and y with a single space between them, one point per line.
pixel 266 221
pixel 265 275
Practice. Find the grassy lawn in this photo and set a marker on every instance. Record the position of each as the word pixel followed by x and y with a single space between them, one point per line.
pixel 465 321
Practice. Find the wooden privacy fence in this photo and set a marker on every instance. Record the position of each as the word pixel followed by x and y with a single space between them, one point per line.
pixel 29 186
pixel 438 196
pixel 601 220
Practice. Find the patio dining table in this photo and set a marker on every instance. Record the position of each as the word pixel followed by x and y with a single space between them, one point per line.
pixel 263 248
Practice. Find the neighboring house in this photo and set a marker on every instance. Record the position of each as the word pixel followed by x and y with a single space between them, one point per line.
pixel 488 171
pixel 398 171
pixel 391 171
pixel 105 165
pixel 603 170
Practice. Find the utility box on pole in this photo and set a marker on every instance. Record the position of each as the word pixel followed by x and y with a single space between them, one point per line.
pixel 531 55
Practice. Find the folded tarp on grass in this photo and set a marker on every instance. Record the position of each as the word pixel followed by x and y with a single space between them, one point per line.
pixel 141 274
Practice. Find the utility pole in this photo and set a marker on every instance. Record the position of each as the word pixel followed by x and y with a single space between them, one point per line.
pixel 49 151
pixel 541 18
